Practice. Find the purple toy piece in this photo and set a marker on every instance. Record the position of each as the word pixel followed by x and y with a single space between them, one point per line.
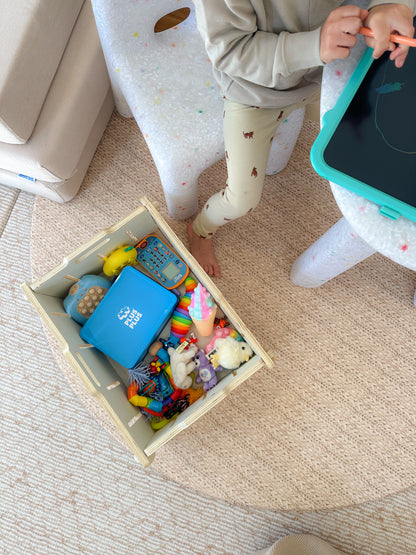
pixel 206 372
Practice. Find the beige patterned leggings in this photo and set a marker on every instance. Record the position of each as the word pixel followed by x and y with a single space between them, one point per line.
pixel 248 135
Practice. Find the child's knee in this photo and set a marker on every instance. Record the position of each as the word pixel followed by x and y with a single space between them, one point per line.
pixel 245 205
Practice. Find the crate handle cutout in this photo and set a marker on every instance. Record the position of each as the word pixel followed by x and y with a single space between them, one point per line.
pixel 71 278
pixel 135 419
pixel 92 251
pixel 64 314
pixel 113 385
pixel 87 369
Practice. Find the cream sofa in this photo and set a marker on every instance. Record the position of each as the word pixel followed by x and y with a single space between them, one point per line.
pixel 55 95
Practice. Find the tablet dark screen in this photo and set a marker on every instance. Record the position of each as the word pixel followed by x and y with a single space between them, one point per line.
pixel 375 142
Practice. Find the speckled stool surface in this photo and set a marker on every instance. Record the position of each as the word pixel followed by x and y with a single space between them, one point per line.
pixel 164 79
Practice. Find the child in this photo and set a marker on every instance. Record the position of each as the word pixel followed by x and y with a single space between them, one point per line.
pixel 267 57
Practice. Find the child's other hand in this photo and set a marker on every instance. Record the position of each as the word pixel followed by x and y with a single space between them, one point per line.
pixel 338 33
pixel 384 20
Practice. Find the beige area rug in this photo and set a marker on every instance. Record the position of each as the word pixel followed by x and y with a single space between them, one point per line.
pixel 333 422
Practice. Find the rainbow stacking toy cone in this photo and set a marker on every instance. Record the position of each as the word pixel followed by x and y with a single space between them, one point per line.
pixel 181 321
pixel 202 310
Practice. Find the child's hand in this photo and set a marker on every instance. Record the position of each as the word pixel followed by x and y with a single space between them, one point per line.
pixel 338 32
pixel 384 20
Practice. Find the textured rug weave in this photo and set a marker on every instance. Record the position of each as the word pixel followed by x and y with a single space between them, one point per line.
pixel 333 422
pixel 68 487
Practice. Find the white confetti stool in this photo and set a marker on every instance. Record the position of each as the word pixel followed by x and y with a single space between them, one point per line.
pixel 164 80
pixel 362 230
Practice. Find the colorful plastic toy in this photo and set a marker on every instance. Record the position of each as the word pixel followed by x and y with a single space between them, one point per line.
pixel 180 324
pixel 190 396
pixel 84 296
pixel 202 310
pixel 181 321
pixel 122 256
pixel 156 395
pixel 151 405
pixel 153 389
pixel 162 263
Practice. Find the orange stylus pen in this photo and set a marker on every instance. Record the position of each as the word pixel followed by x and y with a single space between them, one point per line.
pixel 400 39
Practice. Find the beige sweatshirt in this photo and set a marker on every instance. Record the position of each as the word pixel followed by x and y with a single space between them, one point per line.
pixel 266 52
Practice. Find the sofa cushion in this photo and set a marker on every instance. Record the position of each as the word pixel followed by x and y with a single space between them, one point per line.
pixel 33 37
pixel 69 112
pixel 64 190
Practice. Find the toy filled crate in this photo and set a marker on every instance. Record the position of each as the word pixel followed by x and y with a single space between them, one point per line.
pixel 103 375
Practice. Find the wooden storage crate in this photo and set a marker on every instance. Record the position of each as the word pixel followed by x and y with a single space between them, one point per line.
pixel 104 378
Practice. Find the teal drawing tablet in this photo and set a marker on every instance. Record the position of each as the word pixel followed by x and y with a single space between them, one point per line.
pixel 368 141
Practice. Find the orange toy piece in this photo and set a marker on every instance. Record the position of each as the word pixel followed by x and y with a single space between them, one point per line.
pixel 152 406
pixel 194 394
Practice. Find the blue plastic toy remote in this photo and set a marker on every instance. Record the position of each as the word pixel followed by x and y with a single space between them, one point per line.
pixel 161 262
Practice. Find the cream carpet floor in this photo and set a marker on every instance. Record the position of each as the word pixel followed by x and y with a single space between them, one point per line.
pixel 333 422
pixel 67 486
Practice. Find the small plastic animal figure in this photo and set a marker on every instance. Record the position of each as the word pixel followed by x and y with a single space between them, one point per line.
pixel 206 373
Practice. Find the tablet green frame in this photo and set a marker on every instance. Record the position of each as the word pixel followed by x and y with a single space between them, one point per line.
pixel 389 206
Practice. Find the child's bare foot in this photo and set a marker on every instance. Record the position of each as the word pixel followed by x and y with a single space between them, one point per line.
pixel 203 251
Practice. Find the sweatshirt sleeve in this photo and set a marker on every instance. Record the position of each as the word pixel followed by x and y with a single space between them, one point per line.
pixel 410 3
pixel 238 48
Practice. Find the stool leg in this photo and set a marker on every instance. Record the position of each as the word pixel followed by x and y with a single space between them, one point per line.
pixel 180 188
pixel 284 142
pixel 337 250
pixel 121 104
pixel 179 174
